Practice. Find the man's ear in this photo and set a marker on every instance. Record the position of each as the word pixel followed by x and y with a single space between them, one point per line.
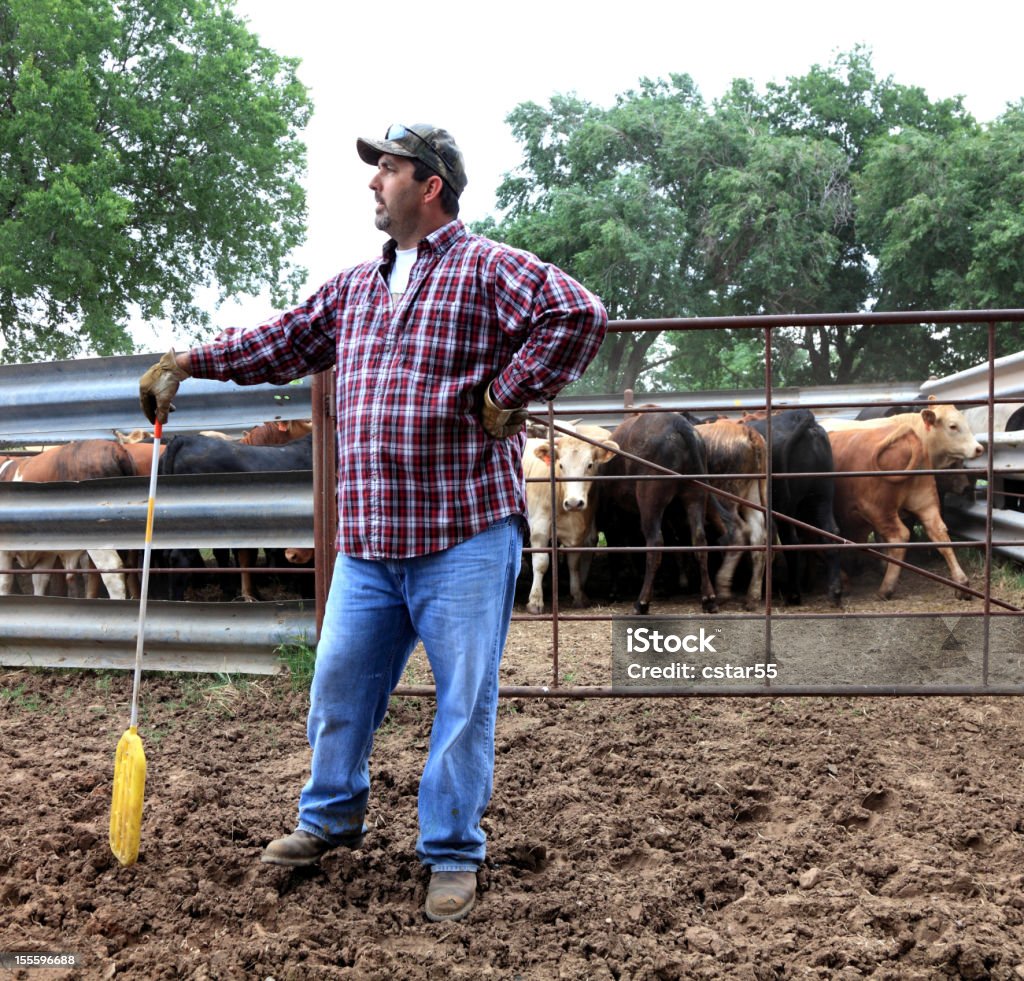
pixel 433 186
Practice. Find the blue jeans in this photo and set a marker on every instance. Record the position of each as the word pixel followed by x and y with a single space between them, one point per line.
pixel 458 602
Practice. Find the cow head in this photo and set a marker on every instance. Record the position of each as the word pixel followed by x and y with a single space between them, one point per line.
pixel 948 435
pixel 576 461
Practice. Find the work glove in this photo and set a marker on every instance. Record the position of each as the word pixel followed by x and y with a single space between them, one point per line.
pixel 157 387
pixel 501 423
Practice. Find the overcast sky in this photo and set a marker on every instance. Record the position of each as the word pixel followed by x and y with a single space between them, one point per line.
pixel 465 66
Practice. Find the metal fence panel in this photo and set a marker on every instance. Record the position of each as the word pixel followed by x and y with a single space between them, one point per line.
pixel 91 398
pixel 50 631
pixel 231 510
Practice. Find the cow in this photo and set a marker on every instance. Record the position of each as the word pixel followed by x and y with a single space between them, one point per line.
pixel 944 432
pixel 874 503
pixel 736 449
pixel 669 440
pixel 205 454
pixel 801 446
pixel 277 432
pixel 575 518
pixel 82 460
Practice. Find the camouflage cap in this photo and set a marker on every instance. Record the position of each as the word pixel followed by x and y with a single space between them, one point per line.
pixel 429 144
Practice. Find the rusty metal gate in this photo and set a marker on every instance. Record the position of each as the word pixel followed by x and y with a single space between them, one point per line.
pixel 987 644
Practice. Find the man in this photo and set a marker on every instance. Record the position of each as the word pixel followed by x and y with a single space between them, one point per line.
pixel 438 348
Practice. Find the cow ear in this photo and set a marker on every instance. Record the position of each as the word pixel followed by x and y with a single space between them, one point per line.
pixel 928 415
pixel 282 427
pixel 608 449
pixel 543 451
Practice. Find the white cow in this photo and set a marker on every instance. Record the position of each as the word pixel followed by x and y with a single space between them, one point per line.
pixel 575 522
pixel 36 562
pixel 77 461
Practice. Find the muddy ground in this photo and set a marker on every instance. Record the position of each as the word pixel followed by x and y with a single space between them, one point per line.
pixel 769 837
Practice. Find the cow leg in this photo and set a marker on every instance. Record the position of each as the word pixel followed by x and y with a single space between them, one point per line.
pixel 246 560
pixel 43 567
pixel 723 581
pixel 579 570
pixel 539 538
pixel 6 578
pixel 108 560
pixel 936 529
pixel 654 538
pixel 132 580
pixel 891 529
pixel 824 518
pixel 695 510
pixel 90 587
pixel 757 535
pixel 793 562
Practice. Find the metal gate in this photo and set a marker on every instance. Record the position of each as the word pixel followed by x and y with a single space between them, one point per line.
pixel 977 651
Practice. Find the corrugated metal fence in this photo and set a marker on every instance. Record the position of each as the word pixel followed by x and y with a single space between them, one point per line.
pixel 49 403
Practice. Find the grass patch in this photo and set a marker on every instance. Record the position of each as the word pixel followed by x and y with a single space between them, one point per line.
pixel 1007 575
pixel 19 698
pixel 300 659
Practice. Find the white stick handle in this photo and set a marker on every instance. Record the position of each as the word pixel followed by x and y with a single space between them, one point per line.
pixel 144 587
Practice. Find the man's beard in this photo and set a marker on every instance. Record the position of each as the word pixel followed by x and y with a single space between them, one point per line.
pixel 382 220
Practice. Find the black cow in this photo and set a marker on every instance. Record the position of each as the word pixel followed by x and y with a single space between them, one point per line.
pixel 885 411
pixel 207 454
pixel 800 445
pixel 672 442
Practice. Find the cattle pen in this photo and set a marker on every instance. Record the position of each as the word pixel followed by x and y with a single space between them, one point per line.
pixel 97 398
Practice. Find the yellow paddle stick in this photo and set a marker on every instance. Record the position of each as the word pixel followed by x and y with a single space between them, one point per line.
pixel 130 759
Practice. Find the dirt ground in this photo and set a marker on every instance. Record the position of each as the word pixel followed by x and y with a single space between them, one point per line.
pixel 710 837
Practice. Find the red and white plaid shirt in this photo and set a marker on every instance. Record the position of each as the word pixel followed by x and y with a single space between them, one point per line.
pixel 416 471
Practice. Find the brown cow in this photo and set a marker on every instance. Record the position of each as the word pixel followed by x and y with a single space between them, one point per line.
pixel 277 432
pixel 874 503
pixel 736 449
pixel 83 460
pixel 942 429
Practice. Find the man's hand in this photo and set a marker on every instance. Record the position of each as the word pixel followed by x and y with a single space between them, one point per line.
pixel 158 385
pixel 501 423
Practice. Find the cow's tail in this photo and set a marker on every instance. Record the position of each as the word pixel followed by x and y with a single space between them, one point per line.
pixel 760 447
pixel 174 443
pixel 804 423
pixel 917 452
pixel 124 462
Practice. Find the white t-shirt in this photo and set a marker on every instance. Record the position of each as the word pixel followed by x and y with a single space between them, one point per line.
pixel 398 280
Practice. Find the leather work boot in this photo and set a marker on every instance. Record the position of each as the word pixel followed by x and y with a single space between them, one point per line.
pixel 450 895
pixel 301 848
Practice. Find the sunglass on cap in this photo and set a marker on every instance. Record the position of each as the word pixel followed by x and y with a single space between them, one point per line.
pixel 397 131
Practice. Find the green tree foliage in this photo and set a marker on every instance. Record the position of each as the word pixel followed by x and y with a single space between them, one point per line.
pixel 147 148
pixel 669 207
pixel 945 218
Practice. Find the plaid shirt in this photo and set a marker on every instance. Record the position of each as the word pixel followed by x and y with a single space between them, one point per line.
pixel 416 471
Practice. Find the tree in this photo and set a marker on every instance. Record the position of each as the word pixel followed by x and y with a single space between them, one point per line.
pixel 668 207
pixel 149 147
pixel 945 218
pixel 667 210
